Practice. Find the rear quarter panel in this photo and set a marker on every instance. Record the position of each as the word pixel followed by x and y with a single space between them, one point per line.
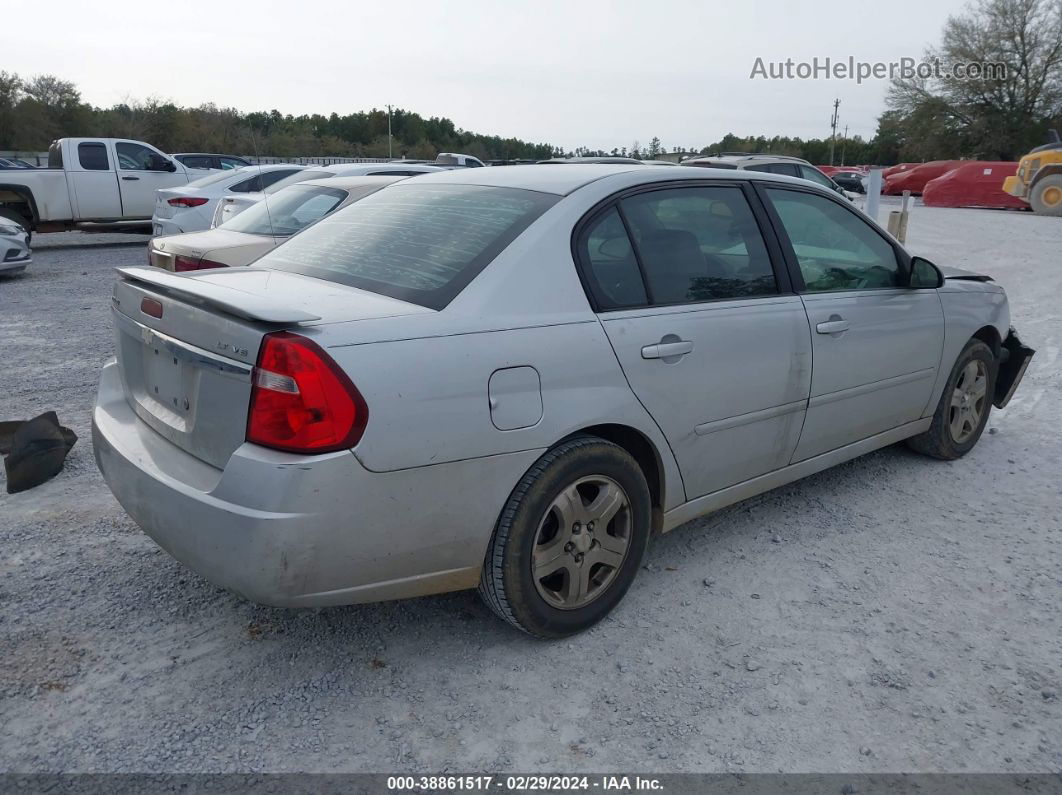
pixel 425 377
pixel 48 186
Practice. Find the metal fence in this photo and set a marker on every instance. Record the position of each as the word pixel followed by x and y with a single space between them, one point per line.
pixel 41 159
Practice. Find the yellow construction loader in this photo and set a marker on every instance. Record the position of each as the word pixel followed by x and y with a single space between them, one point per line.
pixel 1039 178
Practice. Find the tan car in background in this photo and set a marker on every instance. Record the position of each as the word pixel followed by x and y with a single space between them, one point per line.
pixel 263 226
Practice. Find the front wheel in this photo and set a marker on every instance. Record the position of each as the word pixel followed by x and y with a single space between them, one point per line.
pixel 964 406
pixel 1046 198
pixel 570 539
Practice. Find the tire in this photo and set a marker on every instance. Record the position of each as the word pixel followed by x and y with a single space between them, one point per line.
pixel 942 439
pixel 590 577
pixel 15 217
pixel 1046 197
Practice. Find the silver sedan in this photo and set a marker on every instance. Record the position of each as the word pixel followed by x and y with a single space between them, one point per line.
pixel 510 379
pixel 15 252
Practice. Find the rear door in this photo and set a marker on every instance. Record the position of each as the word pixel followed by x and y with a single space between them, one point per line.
pixel 93 183
pixel 711 339
pixel 877 344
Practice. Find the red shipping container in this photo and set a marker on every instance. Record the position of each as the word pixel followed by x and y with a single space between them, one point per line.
pixel 973 184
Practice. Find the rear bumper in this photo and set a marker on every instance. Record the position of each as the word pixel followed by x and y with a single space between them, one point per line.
pixel 289 530
pixel 1013 364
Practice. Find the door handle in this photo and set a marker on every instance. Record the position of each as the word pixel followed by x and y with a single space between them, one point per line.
pixel 665 350
pixel 131 179
pixel 835 325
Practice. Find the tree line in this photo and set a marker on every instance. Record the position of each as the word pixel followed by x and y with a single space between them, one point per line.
pixel 37 110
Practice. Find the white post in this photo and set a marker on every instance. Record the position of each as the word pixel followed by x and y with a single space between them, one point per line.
pixel 873 193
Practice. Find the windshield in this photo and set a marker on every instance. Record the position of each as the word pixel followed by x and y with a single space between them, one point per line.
pixel 297 177
pixel 419 244
pixel 288 212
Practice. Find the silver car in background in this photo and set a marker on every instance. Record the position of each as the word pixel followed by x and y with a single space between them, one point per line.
pixel 15 252
pixel 231 206
pixel 511 378
pixel 264 225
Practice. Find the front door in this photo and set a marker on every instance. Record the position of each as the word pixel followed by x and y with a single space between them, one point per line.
pixel 711 346
pixel 877 344
pixel 139 177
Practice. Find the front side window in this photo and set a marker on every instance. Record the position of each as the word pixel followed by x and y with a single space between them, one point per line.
pixel 834 247
pixel 415 243
pixel 93 156
pixel 816 176
pixel 699 244
pixel 288 212
pixel 134 157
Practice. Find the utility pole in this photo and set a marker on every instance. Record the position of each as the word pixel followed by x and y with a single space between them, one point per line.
pixel 844 143
pixel 833 128
pixel 389 153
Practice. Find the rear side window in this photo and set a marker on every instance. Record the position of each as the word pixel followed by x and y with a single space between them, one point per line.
pixel 269 177
pixel 198 161
pixel 252 185
pixel 233 162
pixel 693 244
pixel 613 267
pixel 417 244
pixel 93 156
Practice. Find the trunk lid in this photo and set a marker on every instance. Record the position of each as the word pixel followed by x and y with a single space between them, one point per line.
pixel 187 373
pixel 231 206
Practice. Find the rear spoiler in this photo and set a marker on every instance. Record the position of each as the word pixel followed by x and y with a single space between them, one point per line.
pixel 227 299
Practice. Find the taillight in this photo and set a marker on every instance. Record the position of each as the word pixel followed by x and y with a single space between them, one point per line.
pixel 182 264
pixel 301 402
pixel 187 201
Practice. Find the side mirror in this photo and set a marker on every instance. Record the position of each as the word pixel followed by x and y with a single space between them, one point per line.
pixel 160 163
pixel 925 275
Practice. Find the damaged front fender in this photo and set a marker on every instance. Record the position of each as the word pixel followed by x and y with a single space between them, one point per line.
pixel 1014 361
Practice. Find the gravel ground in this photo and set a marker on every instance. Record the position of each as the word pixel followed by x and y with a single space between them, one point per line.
pixel 894 613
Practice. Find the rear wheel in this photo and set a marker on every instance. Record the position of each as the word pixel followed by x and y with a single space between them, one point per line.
pixel 964 406
pixel 1046 197
pixel 570 539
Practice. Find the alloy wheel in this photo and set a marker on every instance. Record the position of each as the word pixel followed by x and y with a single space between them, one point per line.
pixel 968 401
pixel 581 542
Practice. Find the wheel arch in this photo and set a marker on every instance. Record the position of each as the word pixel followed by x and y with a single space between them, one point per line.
pixel 1048 170
pixel 989 335
pixel 15 195
pixel 645 454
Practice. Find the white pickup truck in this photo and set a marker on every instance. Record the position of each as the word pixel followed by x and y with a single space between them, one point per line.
pixel 99 180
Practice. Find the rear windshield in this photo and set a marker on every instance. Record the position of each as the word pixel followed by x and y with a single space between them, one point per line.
pixel 290 211
pixel 210 179
pixel 419 244
pixel 298 176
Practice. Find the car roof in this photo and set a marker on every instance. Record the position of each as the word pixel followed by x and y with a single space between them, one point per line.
pixel 589 159
pixel 206 154
pixel 750 158
pixel 346 183
pixel 565 179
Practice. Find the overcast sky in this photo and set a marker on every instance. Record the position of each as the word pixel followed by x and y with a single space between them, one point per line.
pixel 580 73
